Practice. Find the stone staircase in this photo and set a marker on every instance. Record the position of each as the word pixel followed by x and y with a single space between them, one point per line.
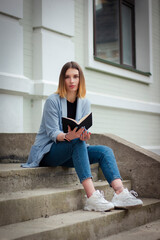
pixel 47 203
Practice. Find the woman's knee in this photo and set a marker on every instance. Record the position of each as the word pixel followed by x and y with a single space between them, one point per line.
pixel 78 142
pixel 107 150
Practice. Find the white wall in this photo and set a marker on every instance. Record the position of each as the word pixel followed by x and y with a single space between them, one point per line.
pixel 143 21
pixel 11 113
pixel 54 15
pixel 11 45
pixel 53 23
pixel 12 8
pixel 11 65
pixel 51 51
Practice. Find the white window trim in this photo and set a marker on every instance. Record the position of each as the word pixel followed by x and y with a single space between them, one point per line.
pixel 91 63
pixel 109 101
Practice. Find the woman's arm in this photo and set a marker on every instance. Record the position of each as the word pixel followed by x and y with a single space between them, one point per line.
pixel 61 137
pixel 51 119
pixel 86 107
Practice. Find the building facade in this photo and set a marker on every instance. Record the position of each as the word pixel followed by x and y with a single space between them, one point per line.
pixel 38 36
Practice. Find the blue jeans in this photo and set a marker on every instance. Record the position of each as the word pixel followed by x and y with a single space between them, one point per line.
pixel 76 154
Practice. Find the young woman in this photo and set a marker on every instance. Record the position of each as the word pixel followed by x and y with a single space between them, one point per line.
pixel 53 147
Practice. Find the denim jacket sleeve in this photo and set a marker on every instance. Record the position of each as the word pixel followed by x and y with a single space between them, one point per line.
pixel 86 107
pixel 52 117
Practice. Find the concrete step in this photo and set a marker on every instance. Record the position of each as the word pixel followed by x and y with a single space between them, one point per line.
pixel 149 231
pixel 82 225
pixel 15 178
pixel 26 205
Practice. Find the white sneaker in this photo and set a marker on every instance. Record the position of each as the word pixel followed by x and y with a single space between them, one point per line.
pixel 97 203
pixel 126 199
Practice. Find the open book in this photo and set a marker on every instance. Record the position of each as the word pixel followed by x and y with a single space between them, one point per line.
pixel 86 122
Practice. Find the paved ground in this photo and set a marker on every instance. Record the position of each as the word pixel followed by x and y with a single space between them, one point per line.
pixel 150 231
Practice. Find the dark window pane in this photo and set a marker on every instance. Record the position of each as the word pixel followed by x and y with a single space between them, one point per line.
pixel 107 30
pixel 127 35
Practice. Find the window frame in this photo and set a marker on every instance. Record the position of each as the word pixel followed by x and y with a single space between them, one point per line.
pixel 97 64
pixel 130 4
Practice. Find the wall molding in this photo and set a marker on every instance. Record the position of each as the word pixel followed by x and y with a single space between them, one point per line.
pixel 51 30
pixel 16 83
pixel 13 9
pixel 20 85
pixel 123 103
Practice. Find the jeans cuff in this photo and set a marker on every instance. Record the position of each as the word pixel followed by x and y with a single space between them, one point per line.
pixel 81 180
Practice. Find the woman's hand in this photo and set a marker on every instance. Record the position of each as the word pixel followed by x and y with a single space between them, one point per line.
pixel 82 134
pixel 72 134
pixel 85 135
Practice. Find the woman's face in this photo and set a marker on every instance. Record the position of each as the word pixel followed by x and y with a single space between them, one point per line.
pixel 72 80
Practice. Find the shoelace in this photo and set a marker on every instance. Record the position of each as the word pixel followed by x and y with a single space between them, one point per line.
pixel 100 195
pixel 133 193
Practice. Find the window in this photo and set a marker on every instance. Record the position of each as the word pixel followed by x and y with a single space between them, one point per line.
pixel 114 31
pixel 141 55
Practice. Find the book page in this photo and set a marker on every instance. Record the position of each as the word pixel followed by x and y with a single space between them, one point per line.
pixel 83 118
pixel 73 120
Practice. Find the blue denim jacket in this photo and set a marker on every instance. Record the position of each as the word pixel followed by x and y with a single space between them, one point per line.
pixel 51 125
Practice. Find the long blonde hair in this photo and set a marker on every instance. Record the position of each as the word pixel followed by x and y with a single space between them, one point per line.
pixel 81 92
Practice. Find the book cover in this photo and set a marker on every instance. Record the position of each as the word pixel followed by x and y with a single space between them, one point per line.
pixel 86 122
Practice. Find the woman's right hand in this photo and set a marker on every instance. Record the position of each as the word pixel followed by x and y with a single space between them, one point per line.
pixel 72 134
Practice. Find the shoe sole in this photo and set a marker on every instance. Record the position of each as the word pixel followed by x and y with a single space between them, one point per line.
pixel 98 210
pixel 128 207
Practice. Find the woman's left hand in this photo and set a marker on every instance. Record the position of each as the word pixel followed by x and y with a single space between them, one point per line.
pixel 85 135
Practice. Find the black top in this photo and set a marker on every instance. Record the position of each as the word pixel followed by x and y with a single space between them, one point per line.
pixel 71 109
